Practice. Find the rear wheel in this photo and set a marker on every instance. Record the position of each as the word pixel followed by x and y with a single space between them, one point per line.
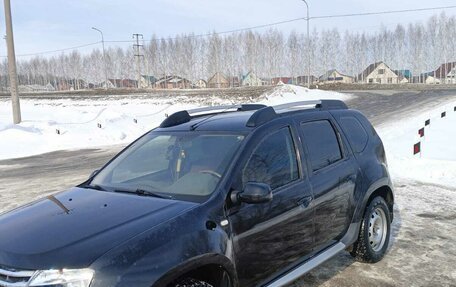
pixel 190 282
pixel 374 233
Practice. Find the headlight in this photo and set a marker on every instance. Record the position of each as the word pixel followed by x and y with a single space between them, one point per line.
pixel 63 278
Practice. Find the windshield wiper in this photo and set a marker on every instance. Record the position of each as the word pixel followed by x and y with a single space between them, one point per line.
pixel 144 192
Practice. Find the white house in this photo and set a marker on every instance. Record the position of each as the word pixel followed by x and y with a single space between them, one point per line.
pixel 446 73
pixel 200 84
pixel 431 80
pixel 147 81
pixel 333 76
pixel 378 73
pixel 251 80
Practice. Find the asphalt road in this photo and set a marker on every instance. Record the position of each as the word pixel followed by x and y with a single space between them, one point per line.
pixel 423 249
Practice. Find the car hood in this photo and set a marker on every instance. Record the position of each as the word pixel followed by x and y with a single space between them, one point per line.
pixel 73 228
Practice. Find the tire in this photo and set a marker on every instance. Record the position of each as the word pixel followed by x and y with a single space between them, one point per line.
pixel 374 233
pixel 190 282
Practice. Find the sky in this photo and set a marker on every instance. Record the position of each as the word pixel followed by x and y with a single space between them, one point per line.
pixel 46 25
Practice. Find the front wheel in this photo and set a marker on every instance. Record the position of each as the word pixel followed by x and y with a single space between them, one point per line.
pixel 190 282
pixel 374 233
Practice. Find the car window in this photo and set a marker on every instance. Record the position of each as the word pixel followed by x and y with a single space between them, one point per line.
pixel 355 132
pixel 186 165
pixel 273 162
pixel 148 158
pixel 322 143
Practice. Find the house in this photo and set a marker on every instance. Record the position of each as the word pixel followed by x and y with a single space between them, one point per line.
pixel 77 84
pixel 333 76
pixel 123 83
pixel 405 76
pixel 378 73
pixel 234 82
pixel 106 84
pixel 172 82
pixel 266 81
pixel 50 87
pixel 281 81
pixel 446 73
pixel 431 80
pixel 147 81
pixel 218 81
pixel 427 78
pixel 303 80
pixel 63 85
pixel 200 84
pixel 251 80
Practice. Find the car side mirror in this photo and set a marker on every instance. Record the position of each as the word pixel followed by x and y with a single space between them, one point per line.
pixel 255 192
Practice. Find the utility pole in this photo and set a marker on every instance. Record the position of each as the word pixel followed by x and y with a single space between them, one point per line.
pixel 308 44
pixel 138 56
pixel 104 57
pixel 12 63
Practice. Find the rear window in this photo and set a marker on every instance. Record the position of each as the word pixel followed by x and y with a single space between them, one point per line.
pixel 355 132
pixel 322 144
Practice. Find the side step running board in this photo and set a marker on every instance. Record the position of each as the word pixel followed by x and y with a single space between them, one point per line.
pixel 302 269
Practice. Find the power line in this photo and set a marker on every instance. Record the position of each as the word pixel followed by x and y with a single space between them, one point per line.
pixel 293 20
pixel 56 51
pixel 382 12
pixel 248 28
pixel 215 33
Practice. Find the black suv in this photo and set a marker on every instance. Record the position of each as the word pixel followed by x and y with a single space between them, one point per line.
pixel 246 195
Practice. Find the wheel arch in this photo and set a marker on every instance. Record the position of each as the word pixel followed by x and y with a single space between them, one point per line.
pixel 382 188
pixel 209 266
pixel 387 194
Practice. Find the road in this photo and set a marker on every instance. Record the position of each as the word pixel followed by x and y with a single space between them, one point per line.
pixel 423 248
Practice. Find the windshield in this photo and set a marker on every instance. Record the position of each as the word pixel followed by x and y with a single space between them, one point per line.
pixel 182 165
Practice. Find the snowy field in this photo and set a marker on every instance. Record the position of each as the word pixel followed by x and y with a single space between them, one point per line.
pixel 436 163
pixel 121 121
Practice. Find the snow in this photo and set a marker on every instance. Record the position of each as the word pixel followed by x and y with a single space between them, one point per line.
pixel 78 120
pixel 437 162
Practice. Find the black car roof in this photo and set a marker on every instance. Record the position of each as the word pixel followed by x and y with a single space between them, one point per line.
pixel 232 121
pixel 241 118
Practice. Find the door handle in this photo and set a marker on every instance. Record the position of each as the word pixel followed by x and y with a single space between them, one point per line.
pixel 305 201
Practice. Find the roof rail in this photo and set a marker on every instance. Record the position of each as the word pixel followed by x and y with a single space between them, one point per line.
pixel 319 104
pixel 261 116
pixel 186 115
pixel 266 114
pixel 213 109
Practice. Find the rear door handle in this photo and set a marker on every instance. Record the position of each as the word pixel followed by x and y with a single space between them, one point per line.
pixel 305 201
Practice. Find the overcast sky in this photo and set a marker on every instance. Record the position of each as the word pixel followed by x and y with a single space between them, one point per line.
pixel 41 25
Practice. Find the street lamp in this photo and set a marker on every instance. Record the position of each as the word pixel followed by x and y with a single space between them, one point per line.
pixel 308 45
pixel 104 57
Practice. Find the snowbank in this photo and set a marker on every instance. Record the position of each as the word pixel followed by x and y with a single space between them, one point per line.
pixel 121 120
pixel 437 162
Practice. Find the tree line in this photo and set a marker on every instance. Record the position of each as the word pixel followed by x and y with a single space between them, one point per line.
pixel 419 47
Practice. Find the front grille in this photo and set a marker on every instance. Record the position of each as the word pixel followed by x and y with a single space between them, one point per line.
pixel 14 278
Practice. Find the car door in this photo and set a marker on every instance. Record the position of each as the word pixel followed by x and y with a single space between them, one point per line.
pixel 332 176
pixel 270 236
